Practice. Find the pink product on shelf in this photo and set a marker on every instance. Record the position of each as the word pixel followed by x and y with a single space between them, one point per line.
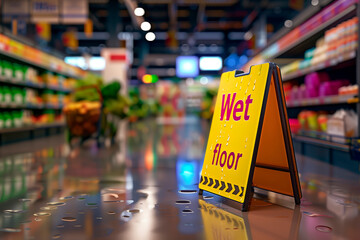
pixel 332 88
pixel 312 92
pixel 313 82
pixel 294 94
pixel 315 79
pixel 302 92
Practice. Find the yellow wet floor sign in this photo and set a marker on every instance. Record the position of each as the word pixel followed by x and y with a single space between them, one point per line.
pixel 249 143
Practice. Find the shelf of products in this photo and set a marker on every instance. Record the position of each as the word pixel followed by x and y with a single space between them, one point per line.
pixel 23 118
pixel 338 45
pixel 34 87
pixel 331 14
pixel 319 66
pixel 37 58
pixel 328 42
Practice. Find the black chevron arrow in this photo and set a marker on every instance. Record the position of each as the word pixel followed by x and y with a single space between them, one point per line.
pixel 235 223
pixel 242 191
pixel 205 181
pixel 229 188
pixel 222 216
pixel 201 179
pixel 211 182
pixel 216 184
pixel 222 185
pixel 236 190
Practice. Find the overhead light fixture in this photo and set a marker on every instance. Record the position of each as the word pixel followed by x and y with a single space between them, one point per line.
pixel 204 80
pixel 145 26
pixel 248 36
pixel 139 11
pixel 288 23
pixel 314 2
pixel 150 36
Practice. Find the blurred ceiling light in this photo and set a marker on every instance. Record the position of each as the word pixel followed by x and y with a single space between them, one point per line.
pixel 202 47
pixel 314 2
pixel 204 80
pixel 139 11
pixel 150 36
pixel 248 36
pixel 213 47
pixel 145 26
pixel 288 23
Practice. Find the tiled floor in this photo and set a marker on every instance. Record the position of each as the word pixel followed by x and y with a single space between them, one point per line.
pixel 130 191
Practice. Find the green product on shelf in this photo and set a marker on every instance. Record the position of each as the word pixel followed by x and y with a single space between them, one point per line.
pixel 25 70
pixel 1 121
pixel 47 96
pixel 17 118
pixel 23 94
pixel 18 73
pixel 8 121
pixel 16 95
pixel 7 70
pixel 1 94
pixel 6 95
pixel 50 115
pixel 309 54
pixel 1 69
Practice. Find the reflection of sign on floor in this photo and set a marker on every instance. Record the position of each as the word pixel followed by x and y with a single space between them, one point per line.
pixel 271 222
pixel 219 224
pixel 249 143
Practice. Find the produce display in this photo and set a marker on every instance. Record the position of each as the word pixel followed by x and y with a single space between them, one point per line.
pixel 171 100
pixel 82 117
pixel 208 104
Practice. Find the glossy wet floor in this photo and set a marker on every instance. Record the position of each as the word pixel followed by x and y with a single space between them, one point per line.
pixel 145 187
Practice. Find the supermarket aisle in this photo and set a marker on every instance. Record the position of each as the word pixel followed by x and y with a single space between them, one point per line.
pixel 131 191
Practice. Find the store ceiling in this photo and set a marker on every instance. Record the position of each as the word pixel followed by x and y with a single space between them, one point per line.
pixel 200 26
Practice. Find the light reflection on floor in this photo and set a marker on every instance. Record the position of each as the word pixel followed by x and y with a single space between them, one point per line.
pixel 130 191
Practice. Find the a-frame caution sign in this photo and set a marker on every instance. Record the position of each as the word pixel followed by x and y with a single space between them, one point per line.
pixel 250 143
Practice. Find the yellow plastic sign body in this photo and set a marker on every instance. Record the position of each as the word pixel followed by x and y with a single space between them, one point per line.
pixel 250 133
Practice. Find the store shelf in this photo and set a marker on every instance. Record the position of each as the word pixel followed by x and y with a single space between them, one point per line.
pixel 321 66
pixel 322 143
pixel 294 42
pixel 30 106
pixel 29 84
pixel 350 11
pixel 338 99
pixel 23 83
pixel 58 89
pixel 31 128
pixel 36 65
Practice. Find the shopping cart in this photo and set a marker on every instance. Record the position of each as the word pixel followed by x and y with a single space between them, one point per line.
pixel 84 118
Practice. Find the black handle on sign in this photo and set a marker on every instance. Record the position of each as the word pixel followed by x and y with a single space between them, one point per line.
pixel 238 73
